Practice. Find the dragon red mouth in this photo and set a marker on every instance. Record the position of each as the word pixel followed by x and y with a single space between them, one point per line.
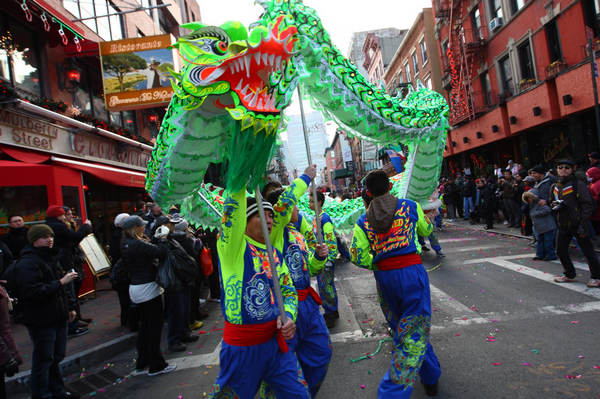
pixel 248 73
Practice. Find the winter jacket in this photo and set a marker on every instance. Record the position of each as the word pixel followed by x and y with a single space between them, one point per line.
pixel 508 189
pixel 450 193
pixel 66 241
pixel 542 218
pixel 486 199
pixel 16 239
pixel 543 188
pixel 116 236
pixel 45 302
pixel 6 257
pixel 141 259
pixel 8 349
pixel 577 205
pixel 594 174
pixel 468 189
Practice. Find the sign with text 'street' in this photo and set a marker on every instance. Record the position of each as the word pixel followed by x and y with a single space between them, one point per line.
pixel 135 72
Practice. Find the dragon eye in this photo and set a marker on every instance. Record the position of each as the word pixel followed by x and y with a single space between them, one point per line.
pixel 220 47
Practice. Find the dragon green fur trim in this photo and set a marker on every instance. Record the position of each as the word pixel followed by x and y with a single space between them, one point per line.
pixel 219 85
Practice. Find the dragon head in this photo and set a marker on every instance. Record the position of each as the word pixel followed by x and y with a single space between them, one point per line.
pixel 228 69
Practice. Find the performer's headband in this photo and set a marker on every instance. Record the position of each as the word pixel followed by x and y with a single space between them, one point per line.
pixel 253 209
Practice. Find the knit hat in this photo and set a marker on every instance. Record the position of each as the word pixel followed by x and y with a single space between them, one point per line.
pixel 120 218
pixel 54 211
pixel 133 221
pixel 38 231
pixel 252 208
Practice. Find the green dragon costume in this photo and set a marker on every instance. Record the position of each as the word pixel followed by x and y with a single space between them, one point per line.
pixel 234 85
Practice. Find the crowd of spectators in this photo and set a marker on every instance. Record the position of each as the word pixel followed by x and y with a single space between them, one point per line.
pixel 42 268
pixel 555 205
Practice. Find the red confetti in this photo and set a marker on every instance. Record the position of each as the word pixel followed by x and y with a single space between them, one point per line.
pixel 496 364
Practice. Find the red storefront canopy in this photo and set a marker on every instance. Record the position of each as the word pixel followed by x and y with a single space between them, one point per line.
pixel 116 176
pixel 24 155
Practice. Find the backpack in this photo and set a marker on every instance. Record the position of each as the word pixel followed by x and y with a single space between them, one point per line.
pixel 184 266
pixel 119 276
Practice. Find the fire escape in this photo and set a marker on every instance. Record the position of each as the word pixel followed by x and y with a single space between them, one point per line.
pixel 465 47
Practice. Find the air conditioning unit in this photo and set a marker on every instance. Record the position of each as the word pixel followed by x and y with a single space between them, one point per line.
pixel 495 24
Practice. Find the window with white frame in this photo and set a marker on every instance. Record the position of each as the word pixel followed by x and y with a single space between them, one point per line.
pixel 408 76
pixel 526 67
pixel 104 19
pixel 423 47
pixel 515 6
pixel 415 62
pixel 506 76
pixel 495 7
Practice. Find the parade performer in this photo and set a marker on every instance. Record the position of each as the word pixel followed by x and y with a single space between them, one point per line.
pixel 325 279
pixel 254 347
pixel 385 241
pixel 311 341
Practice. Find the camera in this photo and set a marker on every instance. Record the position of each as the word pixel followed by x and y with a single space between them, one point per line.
pixel 557 205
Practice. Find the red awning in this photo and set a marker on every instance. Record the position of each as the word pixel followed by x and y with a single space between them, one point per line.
pixel 65 19
pixel 113 175
pixel 88 49
pixel 24 155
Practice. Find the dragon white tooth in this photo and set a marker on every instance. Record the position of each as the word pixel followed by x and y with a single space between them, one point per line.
pixel 232 69
pixel 278 62
pixel 257 58
pixel 253 101
pixel 261 105
pixel 271 59
pixel 239 86
pixel 248 96
pixel 245 89
pixel 264 58
pixel 247 61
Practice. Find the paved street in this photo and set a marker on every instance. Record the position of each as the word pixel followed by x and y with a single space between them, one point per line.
pixel 501 329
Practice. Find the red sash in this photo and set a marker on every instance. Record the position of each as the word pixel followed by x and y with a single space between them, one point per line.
pixel 399 262
pixel 253 334
pixel 303 294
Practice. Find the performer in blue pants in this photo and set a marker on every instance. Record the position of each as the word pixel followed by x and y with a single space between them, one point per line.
pixel 386 241
pixel 311 341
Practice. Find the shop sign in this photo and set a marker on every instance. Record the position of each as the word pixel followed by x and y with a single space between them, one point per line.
pixel 556 146
pixel 135 72
pixel 27 132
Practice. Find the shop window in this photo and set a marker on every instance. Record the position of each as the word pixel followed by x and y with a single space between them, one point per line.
pixel 476 24
pixel 99 15
pixel 70 196
pixel 553 39
pixel 506 76
pixel 415 62
pixel 495 7
pixel 423 47
pixel 19 63
pixel 525 61
pixel 28 201
pixel 515 6
pixel 130 121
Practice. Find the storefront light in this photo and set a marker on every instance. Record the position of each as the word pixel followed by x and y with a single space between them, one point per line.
pixel 73 76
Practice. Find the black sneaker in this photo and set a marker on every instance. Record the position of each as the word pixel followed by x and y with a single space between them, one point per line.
pixel 189 339
pixel 431 389
pixel 177 348
pixel 78 332
pixel 424 248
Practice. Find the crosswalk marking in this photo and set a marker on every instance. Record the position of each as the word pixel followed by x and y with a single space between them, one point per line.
pixel 577 265
pixel 503 262
pixel 467 249
pixel 457 239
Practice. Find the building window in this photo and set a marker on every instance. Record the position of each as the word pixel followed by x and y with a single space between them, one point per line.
pixel 553 39
pixel 400 77
pixel 428 83
pixel 21 66
pixel 486 88
pixel 103 18
pixel 495 8
pixel 476 24
pixel 423 47
pixel 506 76
pixel 408 76
pixel 415 62
pixel 525 61
pixel 515 6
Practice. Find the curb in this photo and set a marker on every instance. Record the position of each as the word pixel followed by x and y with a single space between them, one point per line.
pixel 75 362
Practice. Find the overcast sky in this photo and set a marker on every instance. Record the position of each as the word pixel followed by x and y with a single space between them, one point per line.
pixel 340 17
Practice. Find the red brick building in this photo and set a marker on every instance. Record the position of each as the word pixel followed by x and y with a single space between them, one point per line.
pixel 518 80
pixel 68 149
pixel 417 58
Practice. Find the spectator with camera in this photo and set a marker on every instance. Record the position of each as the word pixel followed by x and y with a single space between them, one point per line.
pixel 573 206
pixel 48 306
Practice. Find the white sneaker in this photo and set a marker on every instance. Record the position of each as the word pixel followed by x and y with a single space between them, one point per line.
pixel 168 369
pixel 139 372
pixel 593 283
pixel 505 222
